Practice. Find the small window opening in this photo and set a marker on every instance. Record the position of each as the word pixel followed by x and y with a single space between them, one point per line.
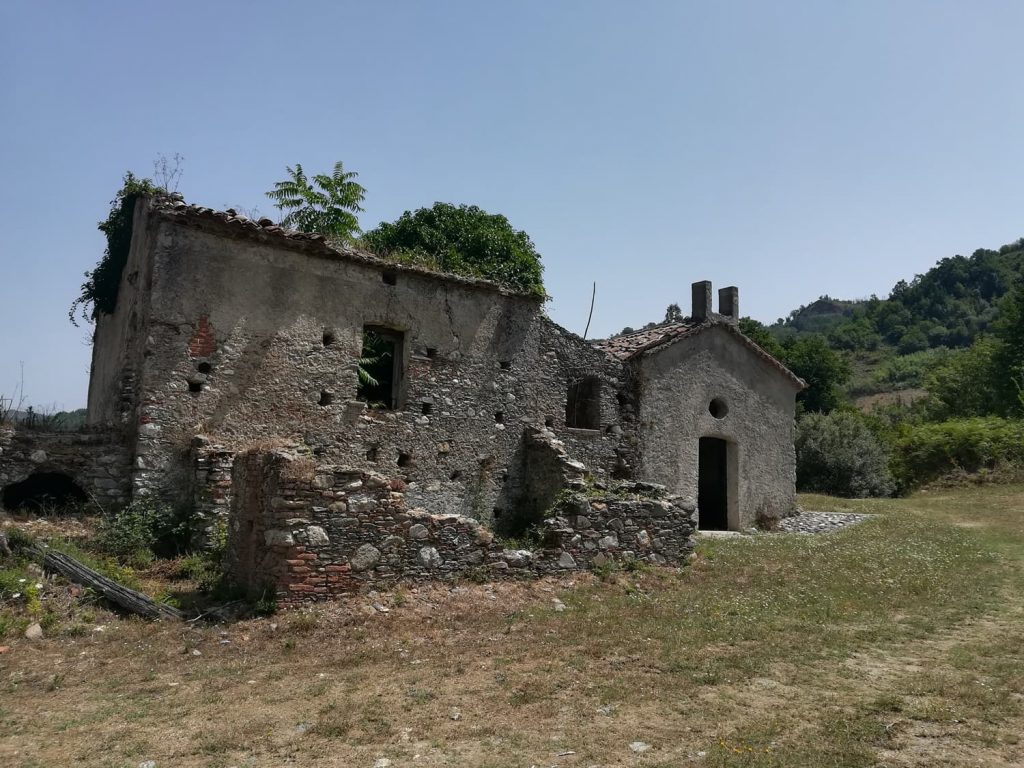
pixel 389 278
pixel 431 353
pixel 427 408
pixel 549 422
pixel 404 460
pixel 499 418
pixel 718 408
pixel 372 453
pixel 583 404
pixel 204 368
pixel 326 397
pixel 455 475
pixel 505 364
pixel 380 368
pixel 195 387
pixel 329 337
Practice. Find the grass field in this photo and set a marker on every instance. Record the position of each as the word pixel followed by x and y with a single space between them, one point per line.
pixel 896 642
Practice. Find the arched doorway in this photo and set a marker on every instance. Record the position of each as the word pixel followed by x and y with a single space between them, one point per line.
pixel 713 484
pixel 43 491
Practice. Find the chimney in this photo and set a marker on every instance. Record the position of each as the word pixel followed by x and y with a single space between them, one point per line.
pixel 701 300
pixel 729 303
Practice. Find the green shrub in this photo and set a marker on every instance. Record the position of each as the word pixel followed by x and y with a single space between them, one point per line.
pixel 926 452
pixel 102 564
pixel 18 539
pixel 144 529
pixel 902 372
pixel 838 454
pixel 13 581
pixel 204 568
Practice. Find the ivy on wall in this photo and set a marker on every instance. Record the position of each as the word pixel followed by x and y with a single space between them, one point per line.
pixel 99 291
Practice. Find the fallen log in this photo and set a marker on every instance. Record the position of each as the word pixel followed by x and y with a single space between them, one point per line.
pixel 120 595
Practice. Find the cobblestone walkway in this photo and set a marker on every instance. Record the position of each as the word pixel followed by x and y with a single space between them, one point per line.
pixel 819 522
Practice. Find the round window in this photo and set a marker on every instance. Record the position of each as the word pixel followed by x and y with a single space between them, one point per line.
pixel 718 408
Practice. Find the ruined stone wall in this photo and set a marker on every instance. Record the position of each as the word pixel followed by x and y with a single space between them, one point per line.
pixel 677 384
pixel 247 334
pixel 119 339
pixel 305 532
pixel 211 488
pixel 98 462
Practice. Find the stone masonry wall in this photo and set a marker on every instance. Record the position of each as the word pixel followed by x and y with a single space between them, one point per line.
pixel 246 334
pixel 211 488
pixel 307 532
pixel 97 461
pixel 756 421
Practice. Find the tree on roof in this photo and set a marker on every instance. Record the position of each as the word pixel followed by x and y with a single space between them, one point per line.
pixel 325 204
pixel 464 240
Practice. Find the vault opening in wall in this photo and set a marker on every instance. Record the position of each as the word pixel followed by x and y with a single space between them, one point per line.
pixel 380 367
pixel 43 491
pixel 583 403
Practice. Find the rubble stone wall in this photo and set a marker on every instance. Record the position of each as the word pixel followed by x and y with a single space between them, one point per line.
pixel 305 532
pixel 97 461
pixel 247 336
pixel 211 488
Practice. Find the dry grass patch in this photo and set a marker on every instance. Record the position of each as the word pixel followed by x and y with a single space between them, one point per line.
pixel 892 642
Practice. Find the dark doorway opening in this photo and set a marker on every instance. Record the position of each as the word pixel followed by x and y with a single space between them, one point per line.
pixel 43 491
pixel 380 368
pixel 713 484
pixel 583 404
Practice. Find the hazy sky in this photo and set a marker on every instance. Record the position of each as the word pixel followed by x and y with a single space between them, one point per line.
pixel 791 148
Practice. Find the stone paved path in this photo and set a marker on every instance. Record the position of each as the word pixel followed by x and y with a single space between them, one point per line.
pixel 819 522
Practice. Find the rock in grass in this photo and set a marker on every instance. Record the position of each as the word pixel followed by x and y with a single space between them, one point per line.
pixel 34 631
pixel 639 747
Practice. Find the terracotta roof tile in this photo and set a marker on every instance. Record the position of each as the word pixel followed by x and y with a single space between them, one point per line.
pixel 632 344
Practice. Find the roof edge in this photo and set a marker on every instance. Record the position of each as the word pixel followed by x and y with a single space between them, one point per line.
pixel 174 208
pixel 732 328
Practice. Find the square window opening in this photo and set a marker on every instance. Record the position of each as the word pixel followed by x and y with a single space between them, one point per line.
pixel 380 368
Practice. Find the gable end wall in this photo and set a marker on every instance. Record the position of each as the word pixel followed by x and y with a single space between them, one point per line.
pixel 676 385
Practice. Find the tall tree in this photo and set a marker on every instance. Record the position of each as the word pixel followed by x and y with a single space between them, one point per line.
pixel 1009 358
pixel 325 204
pixel 824 370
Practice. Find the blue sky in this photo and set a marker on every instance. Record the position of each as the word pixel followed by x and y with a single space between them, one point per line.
pixel 791 148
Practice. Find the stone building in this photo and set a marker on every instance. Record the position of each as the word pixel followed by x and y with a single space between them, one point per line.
pixel 326 402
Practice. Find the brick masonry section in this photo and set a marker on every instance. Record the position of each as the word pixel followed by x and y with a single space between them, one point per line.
pixel 304 532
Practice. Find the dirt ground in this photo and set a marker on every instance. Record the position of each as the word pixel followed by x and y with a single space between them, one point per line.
pixel 897 642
